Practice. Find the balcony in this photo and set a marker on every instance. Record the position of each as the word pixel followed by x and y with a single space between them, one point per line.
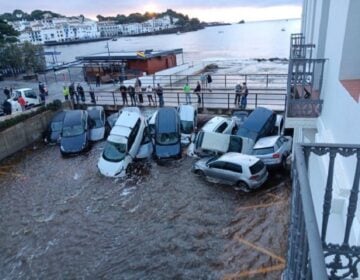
pixel 333 252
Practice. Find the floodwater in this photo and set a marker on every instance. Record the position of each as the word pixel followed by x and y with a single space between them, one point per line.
pixel 61 220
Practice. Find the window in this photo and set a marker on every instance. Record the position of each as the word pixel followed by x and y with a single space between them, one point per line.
pixel 257 167
pixel 222 127
pixel 233 167
pixel 217 164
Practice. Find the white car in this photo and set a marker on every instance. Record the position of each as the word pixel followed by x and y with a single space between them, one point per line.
pixel 122 144
pixel 188 122
pixel 220 125
pixel 213 143
pixel 273 150
pixel 30 96
pixel 97 117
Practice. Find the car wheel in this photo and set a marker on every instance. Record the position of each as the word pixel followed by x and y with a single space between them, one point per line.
pixel 283 163
pixel 199 172
pixel 242 186
pixel 128 170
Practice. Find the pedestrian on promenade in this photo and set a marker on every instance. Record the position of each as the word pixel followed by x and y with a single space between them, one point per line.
pixel 197 91
pixel 203 80
pixel 7 107
pixel 98 80
pixel 41 88
pixel 42 98
pixel 131 91
pixel 244 97
pixel 80 92
pixel 72 92
pixel 149 93
pixel 124 95
pixel 92 94
pixel 237 94
pixel 209 81
pixel 138 91
pixel 66 92
pixel 7 92
pixel 187 91
pixel 22 103
pixel 159 93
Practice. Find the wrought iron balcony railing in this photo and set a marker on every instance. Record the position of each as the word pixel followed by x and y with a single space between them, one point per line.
pixel 310 253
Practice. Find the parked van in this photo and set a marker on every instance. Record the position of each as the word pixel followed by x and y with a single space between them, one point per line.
pixel 167 134
pixel 260 123
pixel 122 144
pixel 188 122
pixel 211 143
pixel 28 94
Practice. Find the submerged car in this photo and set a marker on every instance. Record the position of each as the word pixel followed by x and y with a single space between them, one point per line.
pixel 188 122
pixel 53 132
pixel 97 117
pixel 122 144
pixel 75 135
pixel 167 134
pixel 273 150
pixel 246 172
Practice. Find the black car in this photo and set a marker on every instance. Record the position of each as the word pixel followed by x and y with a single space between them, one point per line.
pixel 75 136
pixel 260 123
pixel 167 134
pixel 53 132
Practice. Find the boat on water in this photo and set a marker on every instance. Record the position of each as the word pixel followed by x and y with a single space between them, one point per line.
pixel 283 29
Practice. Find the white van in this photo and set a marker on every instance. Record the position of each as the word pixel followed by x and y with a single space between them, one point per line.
pixel 188 122
pixel 28 94
pixel 122 144
pixel 210 143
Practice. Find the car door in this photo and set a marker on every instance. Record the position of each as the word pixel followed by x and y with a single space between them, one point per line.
pixel 216 170
pixel 233 172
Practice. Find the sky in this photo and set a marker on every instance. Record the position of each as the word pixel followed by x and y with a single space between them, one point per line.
pixel 204 10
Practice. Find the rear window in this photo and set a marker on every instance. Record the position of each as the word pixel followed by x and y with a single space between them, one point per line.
pixel 257 167
pixel 263 151
pixel 235 144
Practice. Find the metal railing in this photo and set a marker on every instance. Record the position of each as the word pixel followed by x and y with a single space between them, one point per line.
pixel 310 255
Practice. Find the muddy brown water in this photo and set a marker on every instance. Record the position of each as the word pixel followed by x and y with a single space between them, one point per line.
pixel 60 219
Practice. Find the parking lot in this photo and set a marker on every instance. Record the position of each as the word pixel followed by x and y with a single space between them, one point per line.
pixel 62 220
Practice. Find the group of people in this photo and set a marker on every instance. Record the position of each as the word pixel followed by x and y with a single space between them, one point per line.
pixel 136 94
pixel 77 93
pixel 241 93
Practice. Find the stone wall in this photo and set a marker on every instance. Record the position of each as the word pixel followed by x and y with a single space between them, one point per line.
pixel 23 134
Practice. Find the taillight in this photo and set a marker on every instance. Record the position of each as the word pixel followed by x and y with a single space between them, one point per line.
pixel 276 155
pixel 255 177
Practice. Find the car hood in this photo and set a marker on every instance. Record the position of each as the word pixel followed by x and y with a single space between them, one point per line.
pixel 97 134
pixel 73 144
pixel 165 151
pixel 111 169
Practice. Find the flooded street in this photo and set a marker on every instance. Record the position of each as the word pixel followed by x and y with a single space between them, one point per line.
pixel 61 220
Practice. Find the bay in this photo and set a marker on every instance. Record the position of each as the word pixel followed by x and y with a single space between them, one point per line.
pixel 234 48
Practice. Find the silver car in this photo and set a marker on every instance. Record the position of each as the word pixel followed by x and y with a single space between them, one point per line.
pixel 244 171
pixel 273 150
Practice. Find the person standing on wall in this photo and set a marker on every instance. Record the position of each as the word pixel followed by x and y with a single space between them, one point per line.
pixel 209 81
pixel 92 94
pixel 244 97
pixel 66 92
pixel 159 93
pixel 131 91
pixel 149 93
pixel 187 91
pixel 197 91
pixel 237 94
pixel 98 80
pixel 138 90
pixel 80 92
pixel 123 95
pixel 203 80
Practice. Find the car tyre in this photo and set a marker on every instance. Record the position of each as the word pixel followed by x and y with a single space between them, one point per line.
pixel 242 186
pixel 199 172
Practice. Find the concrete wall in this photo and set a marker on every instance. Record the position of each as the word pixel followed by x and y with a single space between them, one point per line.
pixel 23 134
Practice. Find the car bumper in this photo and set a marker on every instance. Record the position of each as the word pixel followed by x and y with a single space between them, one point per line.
pixel 257 184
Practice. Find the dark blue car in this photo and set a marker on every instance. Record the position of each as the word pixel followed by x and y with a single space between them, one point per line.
pixel 260 123
pixel 167 134
pixel 53 132
pixel 75 136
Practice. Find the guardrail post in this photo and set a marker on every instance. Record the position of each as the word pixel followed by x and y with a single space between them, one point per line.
pixel 256 97
pixel 69 74
pixel 228 94
pixel 267 80
pixel 113 95
pixel 225 82
pixel 178 98
pixel 202 99
pixel 170 82
pixel 187 78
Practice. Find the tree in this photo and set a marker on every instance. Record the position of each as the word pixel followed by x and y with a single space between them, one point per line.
pixel 7 33
pixel 33 58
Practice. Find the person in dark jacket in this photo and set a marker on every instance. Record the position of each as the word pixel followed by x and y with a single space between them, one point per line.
pixel 7 107
pixel 159 93
pixel 72 92
pixel 80 92
pixel 131 91
pixel 197 91
pixel 209 81
pixel 92 94
pixel 123 94
pixel 7 92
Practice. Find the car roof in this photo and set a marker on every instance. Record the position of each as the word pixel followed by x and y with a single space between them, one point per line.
pixel 166 120
pixel 266 142
pixel 253 122
pixel 59 116
pixel 237 158
pixel 73 117
pixel 127 119
pixel 23 89
pixel 119 130
pixel 213 123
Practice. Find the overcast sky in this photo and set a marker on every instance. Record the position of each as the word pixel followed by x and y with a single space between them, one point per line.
pixel 205 10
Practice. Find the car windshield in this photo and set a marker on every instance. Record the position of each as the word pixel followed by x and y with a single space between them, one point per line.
pixel 98 123
pixel 257 167
pixel 114 152
pixel 263 151
pixel 167 138
pixel 30 94
pixel 74 130
pixel 56 126
pixel 186 127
